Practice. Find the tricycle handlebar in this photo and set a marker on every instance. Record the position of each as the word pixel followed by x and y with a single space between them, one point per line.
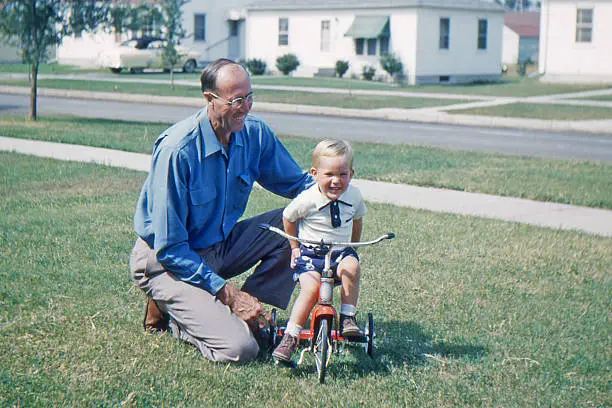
pixel 322 243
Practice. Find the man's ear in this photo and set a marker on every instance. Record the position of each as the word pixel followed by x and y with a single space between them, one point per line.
pixel 313 171
pixel 352 172
pixel 208 97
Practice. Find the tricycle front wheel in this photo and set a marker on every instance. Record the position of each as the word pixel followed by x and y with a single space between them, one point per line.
pixel 321 349
pixel 369 335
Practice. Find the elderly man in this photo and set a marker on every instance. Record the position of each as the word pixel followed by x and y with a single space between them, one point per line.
pixel 190 240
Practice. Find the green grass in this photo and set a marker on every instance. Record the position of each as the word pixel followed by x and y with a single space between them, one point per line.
pixel 468 312
pixel 605 98
pixel 541 111
pixel 44 69
pixel 261 95
pixel 564 181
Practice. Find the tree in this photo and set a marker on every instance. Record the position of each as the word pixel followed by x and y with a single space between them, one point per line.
pixel 174 32
pixel 38 26
pixel 516 5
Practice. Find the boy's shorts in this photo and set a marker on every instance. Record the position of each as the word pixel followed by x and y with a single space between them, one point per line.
pixel 310 262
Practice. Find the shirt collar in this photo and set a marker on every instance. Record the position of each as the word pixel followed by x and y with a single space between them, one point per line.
pixel 211 143
pixel 321 200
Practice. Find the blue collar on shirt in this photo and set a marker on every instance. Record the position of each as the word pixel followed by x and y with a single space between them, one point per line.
pixel 211 143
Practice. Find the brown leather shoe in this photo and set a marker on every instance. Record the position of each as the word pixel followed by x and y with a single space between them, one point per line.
pixel 349 328
pixel 283 352
pixel 154 319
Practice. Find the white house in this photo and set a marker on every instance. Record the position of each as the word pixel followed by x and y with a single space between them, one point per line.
pixel 521 37
pixel 214 29
pixel 576 40
pixel 438 41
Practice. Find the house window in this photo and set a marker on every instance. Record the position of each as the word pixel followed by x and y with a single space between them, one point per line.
pixel 444 33
pixel 584 25
pixel 372 46
pixel 283 31
pixel 325 36
pixel 482 34
pixel 384 45
pixel 359 46
pixel 199 27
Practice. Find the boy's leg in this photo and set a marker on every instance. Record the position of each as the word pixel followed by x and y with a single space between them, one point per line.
pixel 309 289
pixel 349 272
pixel 272 281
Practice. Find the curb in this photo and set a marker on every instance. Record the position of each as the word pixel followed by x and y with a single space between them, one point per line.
pixel 424 115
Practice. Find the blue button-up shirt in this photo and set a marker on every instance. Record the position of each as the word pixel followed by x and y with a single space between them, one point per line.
pixel 197 190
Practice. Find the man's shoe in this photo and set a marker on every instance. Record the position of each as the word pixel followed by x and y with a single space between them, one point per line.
pixel 283 352
pixel 154 320
pixel 349 328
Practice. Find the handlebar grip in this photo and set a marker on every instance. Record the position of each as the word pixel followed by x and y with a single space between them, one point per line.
pixel 264 226
pixel 390 235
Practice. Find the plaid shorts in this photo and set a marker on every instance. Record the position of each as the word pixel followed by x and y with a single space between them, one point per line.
pixel 310 262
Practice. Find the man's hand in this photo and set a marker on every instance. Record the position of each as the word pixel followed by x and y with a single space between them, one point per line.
pixel 244 306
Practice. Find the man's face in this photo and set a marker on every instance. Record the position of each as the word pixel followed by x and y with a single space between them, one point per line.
pixel 232 83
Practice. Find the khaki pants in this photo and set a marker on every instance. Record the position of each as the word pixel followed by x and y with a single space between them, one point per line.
pixel 196 316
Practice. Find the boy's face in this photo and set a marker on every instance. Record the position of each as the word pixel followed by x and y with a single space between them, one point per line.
pixel 333 175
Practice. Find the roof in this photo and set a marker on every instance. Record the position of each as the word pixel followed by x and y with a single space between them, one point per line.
pixel 524 24
pixel 480 5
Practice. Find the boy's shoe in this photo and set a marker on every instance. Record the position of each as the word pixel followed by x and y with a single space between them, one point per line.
pixel 284 350
pixel 349 328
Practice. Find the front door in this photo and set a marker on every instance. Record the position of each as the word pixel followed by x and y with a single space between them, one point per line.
pixel 234 46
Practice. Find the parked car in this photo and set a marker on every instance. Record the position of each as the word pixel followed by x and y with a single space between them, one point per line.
pixel 139 54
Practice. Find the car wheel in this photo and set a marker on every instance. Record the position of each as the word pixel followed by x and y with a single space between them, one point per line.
pixel 190 66
pixel 115 70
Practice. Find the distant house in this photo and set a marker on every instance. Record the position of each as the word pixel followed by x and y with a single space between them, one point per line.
pixel 438 41
pixel 576 40
pixel 521 37
pixel 214 29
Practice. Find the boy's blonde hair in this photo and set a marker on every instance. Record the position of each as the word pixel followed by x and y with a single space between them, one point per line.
pixel 332 148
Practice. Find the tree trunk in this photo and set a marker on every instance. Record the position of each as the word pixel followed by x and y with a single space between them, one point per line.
pixel 172 78
pixel 33 91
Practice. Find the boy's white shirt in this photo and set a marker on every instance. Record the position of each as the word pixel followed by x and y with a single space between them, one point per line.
pixel 311 211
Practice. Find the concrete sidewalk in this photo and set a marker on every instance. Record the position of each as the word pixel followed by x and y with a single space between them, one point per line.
pixel 543 214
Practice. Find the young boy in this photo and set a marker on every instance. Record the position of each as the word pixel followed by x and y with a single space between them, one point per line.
pixel 332 210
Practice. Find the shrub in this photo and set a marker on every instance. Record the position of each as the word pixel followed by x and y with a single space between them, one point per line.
pixel 287 63
pixel 391 64
pixel 341 67
pixel 368 72
pixel 256 66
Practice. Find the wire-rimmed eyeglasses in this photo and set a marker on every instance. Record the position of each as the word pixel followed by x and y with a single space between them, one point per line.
pixel 236 103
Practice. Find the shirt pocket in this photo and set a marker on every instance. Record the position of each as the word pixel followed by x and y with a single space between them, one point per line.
pixel 202 196
pixel 244 185
pixel 202 205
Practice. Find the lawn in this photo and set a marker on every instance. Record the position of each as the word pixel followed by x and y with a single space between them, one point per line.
pixel 564 181
pixel 541 111
pixel 468 312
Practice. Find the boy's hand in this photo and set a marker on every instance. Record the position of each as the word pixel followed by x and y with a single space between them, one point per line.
pixel 295 254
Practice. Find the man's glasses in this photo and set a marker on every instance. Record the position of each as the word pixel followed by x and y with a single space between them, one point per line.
pixel 236 103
